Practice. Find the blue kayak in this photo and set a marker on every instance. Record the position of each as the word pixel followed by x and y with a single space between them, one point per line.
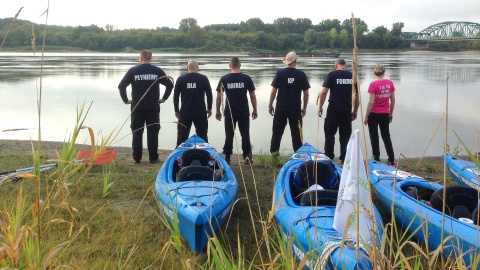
pixel 464 172
pixel 196 188
pixel 418 203
pixel 310 224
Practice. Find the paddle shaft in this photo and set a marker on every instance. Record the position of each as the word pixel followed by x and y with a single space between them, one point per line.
pixel 54 165
pixel 29 169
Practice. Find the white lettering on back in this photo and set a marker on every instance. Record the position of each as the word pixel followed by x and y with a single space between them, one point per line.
pixel 235 85
pixel 146 77
pixel 344 81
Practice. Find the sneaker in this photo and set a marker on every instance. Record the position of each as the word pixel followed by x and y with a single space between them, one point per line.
pixel 136 161
pixel 227 159
pixel 391 164
pixel 155 161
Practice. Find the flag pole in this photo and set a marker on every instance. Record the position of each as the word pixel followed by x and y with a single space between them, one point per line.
pixel 356 83
pixel 354 90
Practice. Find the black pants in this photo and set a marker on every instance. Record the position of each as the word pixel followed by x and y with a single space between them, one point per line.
pixel 140 118
pixel 280 118
pixel 184 126
pixel 382 120
pixel 244 128
pixel 339 117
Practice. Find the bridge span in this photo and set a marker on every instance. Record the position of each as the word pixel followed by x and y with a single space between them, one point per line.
pixel 446 31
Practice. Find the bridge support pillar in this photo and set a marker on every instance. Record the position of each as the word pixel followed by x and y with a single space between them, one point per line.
pixel 419 45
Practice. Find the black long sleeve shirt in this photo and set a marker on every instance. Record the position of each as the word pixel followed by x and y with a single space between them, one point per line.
pixel 141 78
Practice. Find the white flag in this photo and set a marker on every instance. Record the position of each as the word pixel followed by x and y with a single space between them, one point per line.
pixel 354 188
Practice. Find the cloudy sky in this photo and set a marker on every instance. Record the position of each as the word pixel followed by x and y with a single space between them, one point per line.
pixel 416 15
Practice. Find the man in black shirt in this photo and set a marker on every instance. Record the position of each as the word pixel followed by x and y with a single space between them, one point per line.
pixel 236 85
pixel 145 103
pixel 339 111
pixel 290 83
pixel 192 88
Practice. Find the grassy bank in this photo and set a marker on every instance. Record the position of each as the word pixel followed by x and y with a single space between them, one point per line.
pixel 107 216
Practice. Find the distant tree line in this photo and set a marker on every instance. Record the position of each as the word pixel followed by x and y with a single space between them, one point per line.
pixel 283 34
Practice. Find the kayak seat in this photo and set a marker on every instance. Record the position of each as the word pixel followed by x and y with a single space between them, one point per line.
pixel 196 156
pixel 191 173
pixel 321 173
pixel 295 190
pixel 475 216
pixel 326 197
pixel 460 201
pixel 461 211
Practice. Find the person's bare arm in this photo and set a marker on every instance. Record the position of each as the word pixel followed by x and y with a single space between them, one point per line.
pixel 323 97
pixel 253 100
pixel 273 94
pixel 371 101
pixel 392 105
pixel 218 114
pixel 355 107
pixel 305 102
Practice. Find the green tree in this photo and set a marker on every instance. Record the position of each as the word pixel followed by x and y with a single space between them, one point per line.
pixel 188 24
pixel 110 28
pixel 327 25
pixel 360 25
pixel 254 25
pixel 285 25
pixel 310 37
pixel 333 38
pixel 380 30
pixel 397 29
pixel 343 39
pixel 303 24
pixel 324 39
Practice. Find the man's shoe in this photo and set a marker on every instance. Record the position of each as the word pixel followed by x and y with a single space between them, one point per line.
pixel 155 161
pixel 227 159
pixel 248 159
pixel 136 161
pixel 391 164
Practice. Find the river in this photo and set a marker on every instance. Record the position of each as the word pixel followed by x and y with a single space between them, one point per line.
pixel 67 80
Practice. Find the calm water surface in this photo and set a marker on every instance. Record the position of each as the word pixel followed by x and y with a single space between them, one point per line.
pixel 70 79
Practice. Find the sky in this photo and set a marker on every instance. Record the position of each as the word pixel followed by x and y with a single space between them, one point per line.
pixel 416 15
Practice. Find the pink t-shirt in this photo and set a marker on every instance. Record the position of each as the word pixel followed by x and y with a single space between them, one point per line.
pixel 382 90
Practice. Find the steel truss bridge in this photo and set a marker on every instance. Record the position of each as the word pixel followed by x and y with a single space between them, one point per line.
pixel 446 31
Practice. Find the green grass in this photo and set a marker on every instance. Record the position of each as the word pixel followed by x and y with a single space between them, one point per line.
pixel 85 228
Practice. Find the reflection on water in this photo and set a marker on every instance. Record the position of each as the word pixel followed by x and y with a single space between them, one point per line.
pixel 70 79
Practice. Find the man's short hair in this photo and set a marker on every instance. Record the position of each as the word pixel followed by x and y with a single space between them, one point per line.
pixel 146 54
pixel 340 62
pixel 235 62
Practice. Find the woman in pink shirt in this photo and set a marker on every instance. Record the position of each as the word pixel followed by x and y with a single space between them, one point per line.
pixel 380 113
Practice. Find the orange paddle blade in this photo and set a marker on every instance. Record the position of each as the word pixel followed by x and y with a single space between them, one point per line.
pixel 106 156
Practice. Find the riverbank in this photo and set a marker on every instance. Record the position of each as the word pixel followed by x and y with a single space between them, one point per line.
pixel 428 167
pixel 106 222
